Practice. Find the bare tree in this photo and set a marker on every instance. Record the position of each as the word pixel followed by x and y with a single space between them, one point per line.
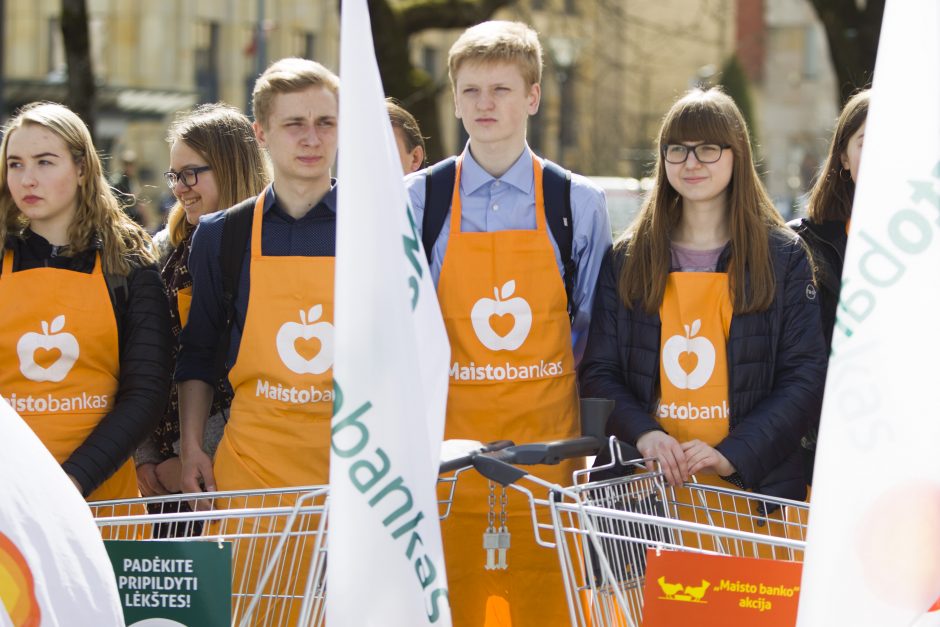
pixel 80 96
pixel 852 29
pixel 393 24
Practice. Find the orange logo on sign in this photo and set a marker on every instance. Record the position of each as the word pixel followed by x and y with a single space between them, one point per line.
pixel 681 592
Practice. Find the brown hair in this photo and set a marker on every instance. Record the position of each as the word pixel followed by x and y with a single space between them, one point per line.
pixel 225 139
pixel 831 196
pixel 498 41
pixel 285 77
pixel 710 116
pixel 98 214
pixel 402 119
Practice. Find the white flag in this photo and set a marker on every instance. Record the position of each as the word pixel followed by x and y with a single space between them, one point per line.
pixel 873 557
pixel 386 564
pixel 53 566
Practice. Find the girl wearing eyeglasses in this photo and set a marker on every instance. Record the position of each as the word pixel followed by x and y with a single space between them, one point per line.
pixel 706 328
pixel 825 229
pixel 84 328
pixel 215 162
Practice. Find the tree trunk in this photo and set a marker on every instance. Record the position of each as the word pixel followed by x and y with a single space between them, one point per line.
pixel 853 34
pixel 80 97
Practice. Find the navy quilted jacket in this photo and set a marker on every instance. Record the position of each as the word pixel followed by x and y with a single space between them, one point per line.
pixel 776 362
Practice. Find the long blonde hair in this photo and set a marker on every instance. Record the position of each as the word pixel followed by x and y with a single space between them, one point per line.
pixel 123 243
pixel 710 116
pixel 225 139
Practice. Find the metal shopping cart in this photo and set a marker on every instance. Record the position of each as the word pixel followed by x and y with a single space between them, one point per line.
pixel 278 541
pixel 601 530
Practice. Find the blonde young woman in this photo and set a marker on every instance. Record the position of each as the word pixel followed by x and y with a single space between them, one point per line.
pixel 706 327
pixel 84 330
pixel 215 162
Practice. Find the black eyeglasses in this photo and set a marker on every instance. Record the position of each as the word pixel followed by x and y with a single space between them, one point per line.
pixel 187 176
pixel 704 153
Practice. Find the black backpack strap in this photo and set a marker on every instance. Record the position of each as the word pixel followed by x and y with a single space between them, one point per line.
pixel 556 188
pixel 117 288
pixel 236 231
pixel 438 192
pixel 120 295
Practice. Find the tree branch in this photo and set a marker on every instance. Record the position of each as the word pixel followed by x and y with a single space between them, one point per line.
pixel 424 14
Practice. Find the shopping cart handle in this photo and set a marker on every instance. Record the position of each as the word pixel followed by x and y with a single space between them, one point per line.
pixel 467 460
pixel 497 470
pixel 548 452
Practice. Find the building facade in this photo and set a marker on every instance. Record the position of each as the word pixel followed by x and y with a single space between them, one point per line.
pixel 152 59
pixel 612 69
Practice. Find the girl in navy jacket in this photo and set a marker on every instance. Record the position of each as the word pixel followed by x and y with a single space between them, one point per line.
pixel 709 251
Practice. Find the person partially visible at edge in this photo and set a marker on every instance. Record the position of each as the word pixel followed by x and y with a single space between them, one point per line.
pixel 278 431
pixel 825 228
pixel 127 189
pixel 496 255
pixel 215 162
pixel 85 325
pixel 706 330
pixel 408 138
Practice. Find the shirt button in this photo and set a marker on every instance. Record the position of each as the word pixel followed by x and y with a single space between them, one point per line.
pixel 495 183
pixel 495 207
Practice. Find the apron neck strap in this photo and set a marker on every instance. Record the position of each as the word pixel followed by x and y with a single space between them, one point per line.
pixel 256 222
pixel 7 263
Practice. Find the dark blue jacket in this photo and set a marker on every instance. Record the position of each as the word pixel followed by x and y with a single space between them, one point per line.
pixel 776 370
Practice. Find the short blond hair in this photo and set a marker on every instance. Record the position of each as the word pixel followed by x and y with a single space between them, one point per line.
pixel 285 77
pixel 498 41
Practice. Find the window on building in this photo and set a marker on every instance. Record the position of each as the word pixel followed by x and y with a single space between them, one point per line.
pixel 536 134
pixel 811 53
pixel 207 61
pixel 249 88
pixel 571 7
pixel 307 45
pixel 568 131
pixel 538 5
pixel 429 61
pixel 55 52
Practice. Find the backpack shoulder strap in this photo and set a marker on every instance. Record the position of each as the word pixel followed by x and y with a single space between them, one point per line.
pixel 438 192
pixel 556 188
pixel 117 289
pixel 236 231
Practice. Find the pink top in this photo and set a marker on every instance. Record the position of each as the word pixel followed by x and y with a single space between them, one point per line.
pixel 689 260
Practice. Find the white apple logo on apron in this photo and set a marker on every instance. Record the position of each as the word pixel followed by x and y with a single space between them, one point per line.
pixel 50 339
pixel 502 305
pixel 308 327
pixel 700 347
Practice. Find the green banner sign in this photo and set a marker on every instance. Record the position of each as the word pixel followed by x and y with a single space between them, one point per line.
pixel 173 584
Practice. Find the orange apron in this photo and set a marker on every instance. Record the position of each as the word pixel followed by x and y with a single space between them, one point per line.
pixel 693 371
pixel 184 302
pixel 61 359
pixel 512 377
pixel 278 433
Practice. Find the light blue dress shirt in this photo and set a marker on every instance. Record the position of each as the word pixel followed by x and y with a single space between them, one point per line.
pixel 508 203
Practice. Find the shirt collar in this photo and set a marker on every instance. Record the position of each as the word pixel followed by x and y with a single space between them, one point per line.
pixel 520 175
pixel 329 199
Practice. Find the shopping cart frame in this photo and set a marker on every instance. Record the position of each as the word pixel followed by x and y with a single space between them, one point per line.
pixel 301 518
pixel 585 564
